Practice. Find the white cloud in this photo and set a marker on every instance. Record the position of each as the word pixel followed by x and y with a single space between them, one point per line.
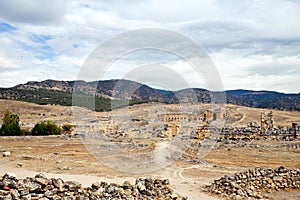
pixel 33 12
pixel 254 44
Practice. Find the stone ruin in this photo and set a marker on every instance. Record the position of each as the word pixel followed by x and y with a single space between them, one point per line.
pixel 41 187
pixel 266 131
pixel 267 122
pixel 195 131
pixel 197 126
pixel 254 182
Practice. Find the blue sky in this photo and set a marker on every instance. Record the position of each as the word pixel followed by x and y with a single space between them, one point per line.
pixel 253 44
pixel 4 27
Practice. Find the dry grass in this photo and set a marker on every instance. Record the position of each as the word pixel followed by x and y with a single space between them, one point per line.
pixel 55 155
pixel 250 157
pixel 51 154
pixel 281 118
pixel 32 113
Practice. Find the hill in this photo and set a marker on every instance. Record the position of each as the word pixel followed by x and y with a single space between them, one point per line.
pixel 264 99
pixel 124 92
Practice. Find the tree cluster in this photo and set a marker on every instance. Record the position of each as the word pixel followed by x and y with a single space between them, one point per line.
pixel 46 128
pixel 11 127
pixel 10 124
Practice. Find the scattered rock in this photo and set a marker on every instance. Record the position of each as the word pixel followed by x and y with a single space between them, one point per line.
pixel 66 168
pixel 40 187
pixel 20 164
pixel 41 179
pixel 166 182
pixel 6 154
pixel 249 184
pixel 14 194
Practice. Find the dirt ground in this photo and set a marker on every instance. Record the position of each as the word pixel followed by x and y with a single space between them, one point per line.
pixel 69 159
pixel 31 113
pixel 256 156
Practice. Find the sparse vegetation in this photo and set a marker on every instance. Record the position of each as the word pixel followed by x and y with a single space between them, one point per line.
pixel 46 128
pixel 11 127
pixel 67 128
pixel 10 124
pixel 61 93
pixel 44 97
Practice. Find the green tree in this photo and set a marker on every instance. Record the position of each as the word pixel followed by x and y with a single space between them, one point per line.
pixel 38 130
pixel 46 128
pixel 10 124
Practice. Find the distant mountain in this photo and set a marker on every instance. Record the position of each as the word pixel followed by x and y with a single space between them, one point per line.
pixel 124 91
pixel 264 99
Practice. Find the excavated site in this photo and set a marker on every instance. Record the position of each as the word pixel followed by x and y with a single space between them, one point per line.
pixel 153 151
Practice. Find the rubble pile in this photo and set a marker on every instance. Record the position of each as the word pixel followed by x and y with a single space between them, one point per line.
pixel 251 183
pixel 40 187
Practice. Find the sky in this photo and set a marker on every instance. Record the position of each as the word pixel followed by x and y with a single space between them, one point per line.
pixel 252 44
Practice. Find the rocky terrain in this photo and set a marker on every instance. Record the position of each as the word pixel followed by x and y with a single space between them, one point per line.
pixel 68 159
pixel 60 92
pixel 41 187
pixel 251 183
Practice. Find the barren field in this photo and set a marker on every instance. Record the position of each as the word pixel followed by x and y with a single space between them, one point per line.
pixel 59 156
pixel 70 159
pixel 32 113
pixel 259 154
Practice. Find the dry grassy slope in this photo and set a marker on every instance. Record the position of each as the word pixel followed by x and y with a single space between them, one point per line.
pixel 31 113
pixel 283 118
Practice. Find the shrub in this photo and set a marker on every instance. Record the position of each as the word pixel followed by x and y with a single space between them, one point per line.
pixel 67 127
pixel 10 124
pixel 46 128
pixel 25 132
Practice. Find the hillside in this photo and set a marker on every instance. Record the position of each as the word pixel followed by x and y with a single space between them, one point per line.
pixel 264 99
pixel 125 92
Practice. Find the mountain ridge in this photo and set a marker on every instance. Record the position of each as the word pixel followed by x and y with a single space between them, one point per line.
pixel 134 92
pixel 115 80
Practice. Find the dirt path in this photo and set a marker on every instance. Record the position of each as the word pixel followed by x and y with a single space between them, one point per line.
pixel 240 121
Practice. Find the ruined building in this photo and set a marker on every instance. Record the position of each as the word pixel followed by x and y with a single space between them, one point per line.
pixel 267 122
pixel 173 121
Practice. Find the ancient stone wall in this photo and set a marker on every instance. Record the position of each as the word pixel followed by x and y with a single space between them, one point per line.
pixel 251 183
pixel 40 187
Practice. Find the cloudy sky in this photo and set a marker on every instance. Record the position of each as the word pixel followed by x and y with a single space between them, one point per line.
pixel 253 44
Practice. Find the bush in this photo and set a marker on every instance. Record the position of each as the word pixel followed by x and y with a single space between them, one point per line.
pixel 10 124
pixel 25 132
pixel 67 127
pixel 46 128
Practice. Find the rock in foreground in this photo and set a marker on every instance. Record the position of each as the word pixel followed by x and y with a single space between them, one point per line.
pixel 40 187
pixel 251 183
